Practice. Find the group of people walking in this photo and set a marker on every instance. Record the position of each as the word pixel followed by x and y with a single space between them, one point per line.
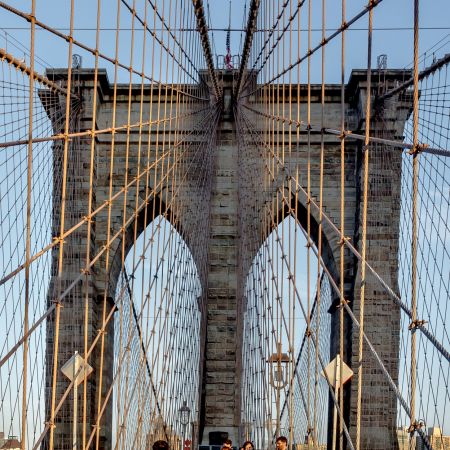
pixel 281 444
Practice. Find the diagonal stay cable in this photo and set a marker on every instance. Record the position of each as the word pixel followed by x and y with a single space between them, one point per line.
pixel 93 133
pixel 202 28
pixel 322 43
pixel 279 38
pixel 91 50
pixel 102 206
pixel 100 332
pixel 20 65
pixel 171 53
pixel 312 333
pixel 348 134
pixel 147 365
pixel 93 261
pixel 120 297
pixel 355 252
pixel 251 27
pixel 425 73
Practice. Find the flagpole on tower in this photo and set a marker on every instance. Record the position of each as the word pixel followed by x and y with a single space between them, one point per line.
pixel 228 62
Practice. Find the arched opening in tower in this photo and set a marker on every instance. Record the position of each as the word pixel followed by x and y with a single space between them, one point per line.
pixel 286 340
pixel 156 341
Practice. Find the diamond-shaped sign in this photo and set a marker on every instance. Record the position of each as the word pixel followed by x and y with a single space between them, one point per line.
pixel 76 363
pixel 333 372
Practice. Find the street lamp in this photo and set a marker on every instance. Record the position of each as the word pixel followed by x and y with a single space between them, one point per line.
pixel 184 413
pixel 278 373
pixel 278 376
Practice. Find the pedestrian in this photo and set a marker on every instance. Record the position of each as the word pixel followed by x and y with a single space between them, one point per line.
pixel 281 443
pixel 161 445
pixel 248 445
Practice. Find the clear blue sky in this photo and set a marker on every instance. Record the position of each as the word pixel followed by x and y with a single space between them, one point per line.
pixel 388 15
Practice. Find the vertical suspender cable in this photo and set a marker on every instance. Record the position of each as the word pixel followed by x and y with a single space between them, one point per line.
pixel 364 230
pixel 308 223
pixel 414 219
pixel 28 225
pixel 342 241
pixel 319 243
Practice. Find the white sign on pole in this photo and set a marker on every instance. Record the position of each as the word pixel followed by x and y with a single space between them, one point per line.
pixel 333 372
pixel 76 367
pixel 76 363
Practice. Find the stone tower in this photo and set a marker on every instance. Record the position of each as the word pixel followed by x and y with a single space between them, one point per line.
pixel 221 367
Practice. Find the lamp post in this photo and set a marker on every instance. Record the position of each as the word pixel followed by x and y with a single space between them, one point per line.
pixel 278 377
pixel 184 413
pixel 269 427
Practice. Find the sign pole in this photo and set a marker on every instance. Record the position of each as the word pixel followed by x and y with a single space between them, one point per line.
pixel 75 405
pixel 336 390
pixel 334 377
pixel 76 369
